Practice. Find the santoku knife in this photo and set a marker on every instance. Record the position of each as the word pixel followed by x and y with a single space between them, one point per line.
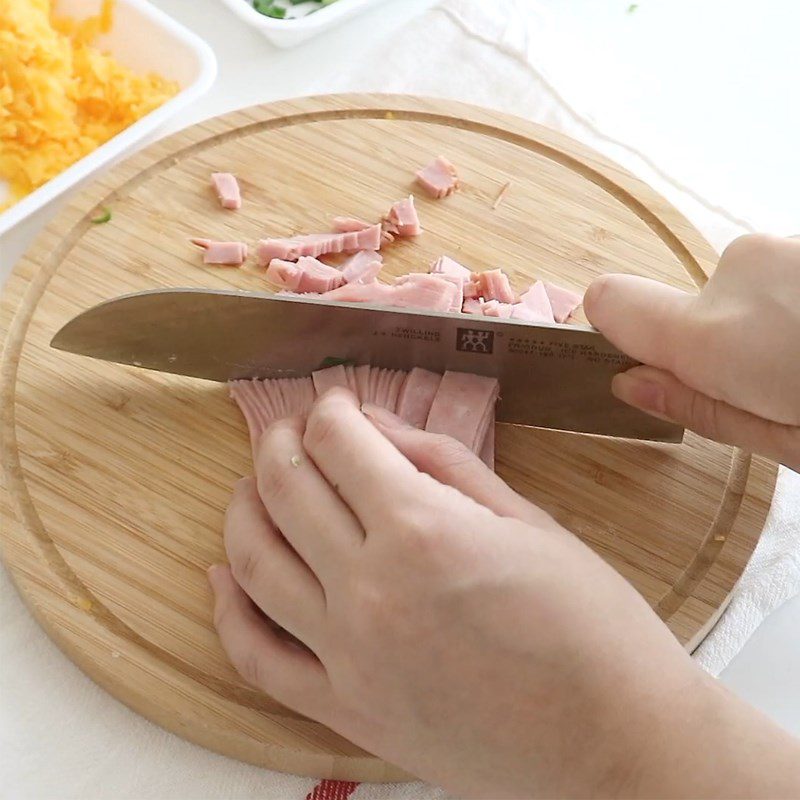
pixel 551 376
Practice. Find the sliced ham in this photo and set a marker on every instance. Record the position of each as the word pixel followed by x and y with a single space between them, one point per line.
pixel 416 396
pixel 464 408
pixel 524 314
pixel 328 378
pixel 403 218
pixel 228 253
pixel 227 188
pixel 473 305
pixel 538 303
pixel 262 402
pixel 354 224
pixel 446 266
pixel 305 275
pixel 563 301
pixel 411 291
pixel 472 290
pixel 494 285
pixel 317 244
pixel 494 308
pixel 362 267
pixel 439 178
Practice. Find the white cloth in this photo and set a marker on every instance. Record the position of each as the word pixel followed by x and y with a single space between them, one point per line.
pixel 110 752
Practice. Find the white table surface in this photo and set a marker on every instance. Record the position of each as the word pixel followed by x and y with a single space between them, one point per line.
pixel 661 61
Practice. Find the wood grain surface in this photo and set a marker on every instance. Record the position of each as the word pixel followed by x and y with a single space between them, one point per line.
pixel 116 479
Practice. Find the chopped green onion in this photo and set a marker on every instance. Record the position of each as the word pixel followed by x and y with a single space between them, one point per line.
pixel 104 217
pixel 632 7
pixel 269 9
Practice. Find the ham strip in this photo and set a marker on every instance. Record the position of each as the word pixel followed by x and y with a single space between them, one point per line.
pixel 362 267
pixel 464 408
pixel 448 267
pixel 317 244
pixel 227 188
pixel 353 224
pixel 306 276
pixel 228 253
pixel 494 308
pixel 563 301
pixel 439 178
pixel 416 396
pixel 411 291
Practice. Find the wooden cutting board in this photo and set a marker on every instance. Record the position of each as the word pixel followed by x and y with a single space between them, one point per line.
pixel 116 479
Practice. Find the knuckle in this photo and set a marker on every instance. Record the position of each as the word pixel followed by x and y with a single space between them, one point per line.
pixel 448 454
pixel 250 666
pixel 324 424
pixel 748 247
pixel 245 565
pixel 274 476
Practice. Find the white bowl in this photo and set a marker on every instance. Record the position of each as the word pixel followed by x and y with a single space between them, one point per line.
pixel 290 32
pixel 146 40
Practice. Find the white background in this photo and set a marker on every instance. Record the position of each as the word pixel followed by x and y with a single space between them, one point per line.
pixel 709 90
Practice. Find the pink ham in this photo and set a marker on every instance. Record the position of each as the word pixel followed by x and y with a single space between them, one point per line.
pixel 473 305
pixel 403 218
pixel 537 301
pixel 494 285
pixel 317 244
pixel 472 290
pixel 227 189
pixel 464 408
pixel 521 312
pixel 263 402
pixel 563 301
pixel 416 396
pixel 494 308
pixel 306 275
pixel 448 267
pixel 326 379
pixel 362 267
pixel 350 224
pixel 439 178
pixel 229 253
pixel 420 291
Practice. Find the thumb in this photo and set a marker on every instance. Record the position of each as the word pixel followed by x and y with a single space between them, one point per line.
pixel 450 462
pixel 646 319
pixel 661 394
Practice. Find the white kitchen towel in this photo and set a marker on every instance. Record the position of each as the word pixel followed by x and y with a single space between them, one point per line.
pixel 495 47
pixel 479 52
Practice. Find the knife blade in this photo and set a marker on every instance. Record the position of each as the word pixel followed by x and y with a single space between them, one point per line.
pixel 551 375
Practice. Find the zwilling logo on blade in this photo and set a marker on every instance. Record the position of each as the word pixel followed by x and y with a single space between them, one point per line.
pixel 470 341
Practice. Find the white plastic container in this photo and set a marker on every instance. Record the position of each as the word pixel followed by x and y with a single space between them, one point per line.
pixel 145 39
pixel 291 32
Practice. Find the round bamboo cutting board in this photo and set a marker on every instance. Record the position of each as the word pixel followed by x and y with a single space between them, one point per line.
pixel 116 479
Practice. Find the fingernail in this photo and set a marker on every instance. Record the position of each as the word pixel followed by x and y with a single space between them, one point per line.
pixel 643 394
pixel 382 417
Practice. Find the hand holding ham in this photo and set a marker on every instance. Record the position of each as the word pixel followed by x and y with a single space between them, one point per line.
pixel 383 581
pixel 724 363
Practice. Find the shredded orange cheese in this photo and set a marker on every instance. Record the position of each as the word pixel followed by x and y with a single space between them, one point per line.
pixel 61 97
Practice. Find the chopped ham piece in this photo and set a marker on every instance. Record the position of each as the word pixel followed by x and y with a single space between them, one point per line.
pixel 351 224
pixel 473 305
pixel 464 408
pixel 432 290
pixel 263 402
pixel 316 244
pixel 227 189
pixel 538 302
pixel 525 314
pixel 439 178
pixel 494 308
pixel 449 267
pixel 411 291
pixel 230 253
pixel 416 396
pixel 403 219
pixel 374 292
pixel 494 285
pixel 563 301
pixel 362 267
pixel 306 275
pixel 472 290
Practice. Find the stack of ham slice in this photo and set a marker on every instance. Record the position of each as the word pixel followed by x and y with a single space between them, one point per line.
pixel 458 404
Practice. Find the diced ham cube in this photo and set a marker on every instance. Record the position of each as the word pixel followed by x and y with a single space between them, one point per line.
pixel 227 189
pixel 563 301
pixel 228 253
pixel 473 305
pixel 494 285
pixel 317 244
pixel 362 267
pixel 439 178
pixel 472 290
pixel 538 302
pixel 416 396
pixel 403 219
pixel 494 308
pixel 446 266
